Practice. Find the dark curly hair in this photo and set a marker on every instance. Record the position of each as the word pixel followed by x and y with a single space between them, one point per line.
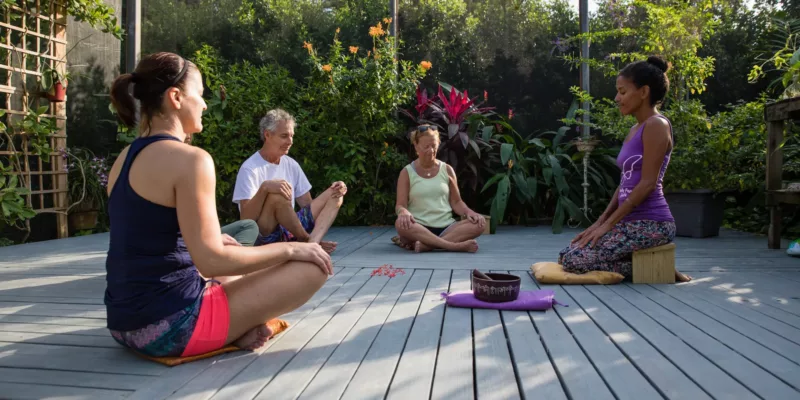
pixel 652 73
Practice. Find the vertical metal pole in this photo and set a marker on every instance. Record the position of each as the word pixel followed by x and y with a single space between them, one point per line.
pixel 583 10
pixel 393 15
pixel 133 34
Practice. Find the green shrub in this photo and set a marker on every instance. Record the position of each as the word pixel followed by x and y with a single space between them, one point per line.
pixel 347 128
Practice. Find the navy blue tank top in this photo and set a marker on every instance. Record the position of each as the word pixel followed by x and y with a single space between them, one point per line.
pixel 149 272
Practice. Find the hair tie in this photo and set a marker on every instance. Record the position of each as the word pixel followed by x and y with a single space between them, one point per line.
pixel 180 74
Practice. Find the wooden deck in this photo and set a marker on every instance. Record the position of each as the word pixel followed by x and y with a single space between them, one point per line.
pixel 732 333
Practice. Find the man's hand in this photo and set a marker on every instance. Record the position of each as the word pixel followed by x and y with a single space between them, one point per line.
pixel 339 189
pixel 279 186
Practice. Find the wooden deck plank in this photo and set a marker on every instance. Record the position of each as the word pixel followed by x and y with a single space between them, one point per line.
pixel 413 377
pixel 299 372
pixel 735 320
pixel 536 375
pixel 91 380
pixel 373 376
pixel 20 391
pixel 742 369
pixel 59 339
pixel 716 382
pixel 49 300
pixel 622 377
pixel 249 382
pixel 453 378
pixel 363 238
pixel 495 375
pixel 578 375
pixel 652 363
pixel 69 358
pixel 333 377
pixel 767 290
pixel 31 319
pixel 742 296
pixel 774 363
pixel 203 378
pixel 48 328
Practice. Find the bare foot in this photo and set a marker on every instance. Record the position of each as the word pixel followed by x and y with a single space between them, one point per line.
pixel 420 247
pixel 469 246
pixel 680 277
pixel 403 243
pixel 254 338
pixel 329 247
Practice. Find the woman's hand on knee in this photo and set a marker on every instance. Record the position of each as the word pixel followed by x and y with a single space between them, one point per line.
pixel 313 253
pixel 404 221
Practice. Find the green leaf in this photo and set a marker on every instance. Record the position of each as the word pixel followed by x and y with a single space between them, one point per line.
pixel 487 132
pixel 538 142
pixel 41 110
pixel 558 174
pixel 573 210
pixel 532 186
pixel 499 203
pixel 475 147
pixel 522 185
pixel 558 218
pixel 505 152
pixel 492 181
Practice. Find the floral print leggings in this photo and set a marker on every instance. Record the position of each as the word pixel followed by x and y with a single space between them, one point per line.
pixel 614 251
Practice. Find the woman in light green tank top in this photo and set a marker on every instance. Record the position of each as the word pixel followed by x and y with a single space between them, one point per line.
pixel 427 196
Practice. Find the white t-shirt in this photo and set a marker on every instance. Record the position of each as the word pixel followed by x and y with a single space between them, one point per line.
pixel 255 170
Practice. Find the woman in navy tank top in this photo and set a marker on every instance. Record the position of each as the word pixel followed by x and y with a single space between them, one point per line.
pixel 176 286
pixel 638 216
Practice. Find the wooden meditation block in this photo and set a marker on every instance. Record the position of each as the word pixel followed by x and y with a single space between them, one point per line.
pixel 654 265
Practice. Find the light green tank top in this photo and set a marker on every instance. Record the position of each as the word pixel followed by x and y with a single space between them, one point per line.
pixel 429 198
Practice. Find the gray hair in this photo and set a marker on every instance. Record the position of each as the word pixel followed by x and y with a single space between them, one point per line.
pixel 270 121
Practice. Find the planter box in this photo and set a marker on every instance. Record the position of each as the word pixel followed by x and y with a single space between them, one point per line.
pixel 697 213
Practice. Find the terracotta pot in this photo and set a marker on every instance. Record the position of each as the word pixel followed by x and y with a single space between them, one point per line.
pixel 83 220
pixel 58 93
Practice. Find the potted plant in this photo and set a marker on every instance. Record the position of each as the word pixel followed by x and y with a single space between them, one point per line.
pixel 695 182
pixel 54 84
pixel 88 179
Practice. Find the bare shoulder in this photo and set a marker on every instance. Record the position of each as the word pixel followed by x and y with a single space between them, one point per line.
pixel 657 126
pixel 404 172
pixel 450 170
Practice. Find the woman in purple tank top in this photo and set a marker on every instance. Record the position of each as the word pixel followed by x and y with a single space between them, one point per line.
pixel 638 216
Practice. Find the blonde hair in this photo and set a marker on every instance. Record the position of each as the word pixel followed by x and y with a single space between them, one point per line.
pixel 416 133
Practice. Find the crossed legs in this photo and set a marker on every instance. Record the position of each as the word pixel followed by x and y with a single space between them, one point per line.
pixel 267 294
pixel 277 210
pixel 459 237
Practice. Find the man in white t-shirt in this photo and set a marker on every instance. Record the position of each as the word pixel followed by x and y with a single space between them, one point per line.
pixel 270 182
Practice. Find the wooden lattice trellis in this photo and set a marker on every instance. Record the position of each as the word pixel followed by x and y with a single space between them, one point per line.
pixel 34 35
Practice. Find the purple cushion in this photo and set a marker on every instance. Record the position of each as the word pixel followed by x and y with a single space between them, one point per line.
pixel 528 300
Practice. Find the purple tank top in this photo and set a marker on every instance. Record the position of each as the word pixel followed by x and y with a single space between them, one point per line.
pixel 629 161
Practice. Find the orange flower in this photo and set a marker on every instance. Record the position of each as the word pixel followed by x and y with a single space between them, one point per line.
pixel 353 49
pixel 376 30
pixel 338 30
pixel 426 65
pixel 308 47
pixel 510 164
pixel 385 144
pixel 387 21
pixel 326 68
